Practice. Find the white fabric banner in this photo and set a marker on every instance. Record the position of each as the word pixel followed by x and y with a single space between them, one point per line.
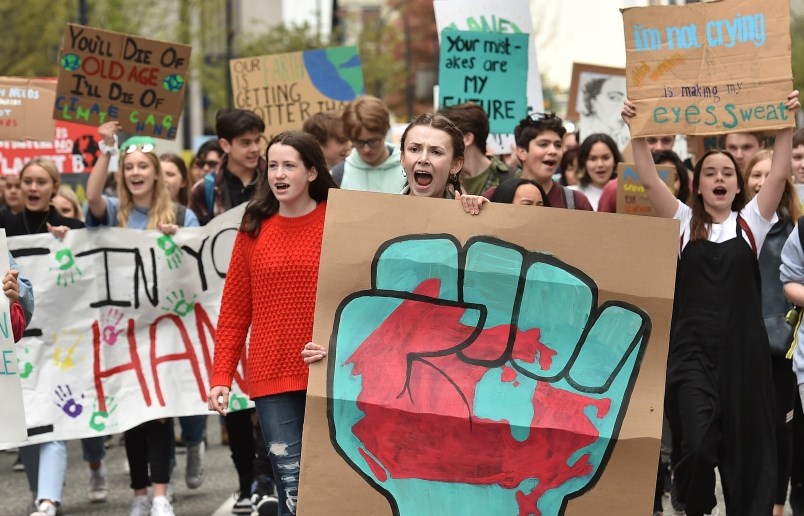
pixel 123 329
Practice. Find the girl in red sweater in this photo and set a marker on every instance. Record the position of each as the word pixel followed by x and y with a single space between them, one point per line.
pixel 271 289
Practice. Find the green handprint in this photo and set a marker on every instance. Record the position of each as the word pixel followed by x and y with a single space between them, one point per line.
pixel 486 376
pixel 178 304
pixel 68 270
pixel 25 368
pixel 98 419
pixel 173 252
pixel 237 403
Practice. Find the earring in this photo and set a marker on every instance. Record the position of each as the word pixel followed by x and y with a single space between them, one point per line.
pixel 404 174
pixel 453 177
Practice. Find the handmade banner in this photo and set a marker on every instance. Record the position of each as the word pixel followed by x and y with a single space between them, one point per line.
pixel 124 325
pixel 488 69
pixel 488 365
pixel 107 76
pixel 287 89
pixel 631 196
pixel 509 17
pixel 12 412
pixel 74 149
pixel 708 68
pixel 25 106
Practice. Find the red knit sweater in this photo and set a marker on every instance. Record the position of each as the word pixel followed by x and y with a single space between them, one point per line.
pixel 270 286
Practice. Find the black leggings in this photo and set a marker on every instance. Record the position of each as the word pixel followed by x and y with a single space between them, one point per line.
pixel 786 394
pixel 150 444
pixel 248 449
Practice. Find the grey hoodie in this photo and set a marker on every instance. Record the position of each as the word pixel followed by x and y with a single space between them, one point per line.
pixel 386 177
pixel 792 271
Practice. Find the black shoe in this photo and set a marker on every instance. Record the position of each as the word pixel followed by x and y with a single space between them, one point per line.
pixel 264 499
pixel 242 504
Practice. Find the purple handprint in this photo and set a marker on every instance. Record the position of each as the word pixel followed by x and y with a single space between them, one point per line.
pixel 66 402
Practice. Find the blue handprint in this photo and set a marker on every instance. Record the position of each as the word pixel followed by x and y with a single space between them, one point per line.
pixel 486 376
pixel 66 401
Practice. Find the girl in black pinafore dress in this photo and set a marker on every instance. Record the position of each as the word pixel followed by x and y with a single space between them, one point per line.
pixel 719 394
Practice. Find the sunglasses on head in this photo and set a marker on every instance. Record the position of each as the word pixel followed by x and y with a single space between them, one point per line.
pixel 142 148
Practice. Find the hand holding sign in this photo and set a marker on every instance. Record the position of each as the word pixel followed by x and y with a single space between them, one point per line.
pixel 418 365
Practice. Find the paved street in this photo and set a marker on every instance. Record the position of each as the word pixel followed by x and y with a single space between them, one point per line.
pixel 220 482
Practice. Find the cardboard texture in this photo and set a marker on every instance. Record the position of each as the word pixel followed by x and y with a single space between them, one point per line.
pixel 73 149
pixel 287 89
pixel 509 17
pixel 106 76
pixel 377 250
pixel 488 69
pixel 12 410
pixel 631 196
pixel 25 106
pixel 709 68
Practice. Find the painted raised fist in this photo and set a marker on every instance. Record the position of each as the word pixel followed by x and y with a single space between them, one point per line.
pixel 482 379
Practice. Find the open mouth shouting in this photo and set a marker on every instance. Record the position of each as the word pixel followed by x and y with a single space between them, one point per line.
pixel 720 192
pixel 422 178
pixel 550 163
pixel 281 187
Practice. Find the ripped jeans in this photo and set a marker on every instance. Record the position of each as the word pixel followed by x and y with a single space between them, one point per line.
pixel 281 418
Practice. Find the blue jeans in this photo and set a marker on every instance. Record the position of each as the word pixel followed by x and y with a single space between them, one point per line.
pixel 93 448
pixel 281 419
pixel 46 466
pixel 192 429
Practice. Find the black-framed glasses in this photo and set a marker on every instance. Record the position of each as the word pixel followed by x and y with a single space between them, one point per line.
pixel 142 148
pixel 373 142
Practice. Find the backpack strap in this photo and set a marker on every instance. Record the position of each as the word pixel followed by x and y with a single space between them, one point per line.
pixel 569 198
pixel 744 225
pixel 800 229
pixel 209 193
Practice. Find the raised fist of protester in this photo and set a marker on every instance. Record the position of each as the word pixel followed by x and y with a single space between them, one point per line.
pixel 482 379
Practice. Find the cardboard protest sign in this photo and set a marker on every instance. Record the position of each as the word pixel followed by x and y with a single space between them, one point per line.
pixel 488 69
pixel 107 76
pixel 708 68
pixel 631 196
pixel 25 106
pixel 287 89
pixel 124 327
pixel 488 365
pixel 12 411
pixel 596 99
pixel 509 17
pixel 73 149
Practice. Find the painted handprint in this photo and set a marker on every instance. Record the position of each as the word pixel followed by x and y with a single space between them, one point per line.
pixel 63 357
pixel 25 368
pixel 486 376
pixel 110 324
pixel 177 303
pixel 68 270
pixel 67 402
pixel 173 252
pixel 99 417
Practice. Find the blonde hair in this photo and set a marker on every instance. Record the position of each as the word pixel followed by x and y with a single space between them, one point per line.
pixel 790 199
pixel 67 192
pixel 160 211
pixel 49 167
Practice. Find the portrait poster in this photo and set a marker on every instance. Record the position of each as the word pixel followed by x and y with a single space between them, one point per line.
pixel 509 17
pixel 137 81
pixel 25 106
pixel 709 67
pixel 287 89
pixel 476 366
pixel 596 100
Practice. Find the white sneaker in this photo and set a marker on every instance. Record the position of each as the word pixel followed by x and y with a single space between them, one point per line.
pixel 140 506
pixel 98 492
pixel 161 507
pixel 45 509
pixel 194 475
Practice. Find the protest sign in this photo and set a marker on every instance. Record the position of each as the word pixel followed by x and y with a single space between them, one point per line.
pixel 287 89
pixel 12 412
pixel 631 196
pixel 596 99
pixel 25 106
pixel 510 17
pixel 486 68
pixel 73 149
pixel 494 373
pixel 106 76
pixel 708 68
pixel 124 327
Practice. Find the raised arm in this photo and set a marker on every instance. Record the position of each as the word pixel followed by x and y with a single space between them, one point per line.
pixel 660 197
pixel 97 178
pixel 770 195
